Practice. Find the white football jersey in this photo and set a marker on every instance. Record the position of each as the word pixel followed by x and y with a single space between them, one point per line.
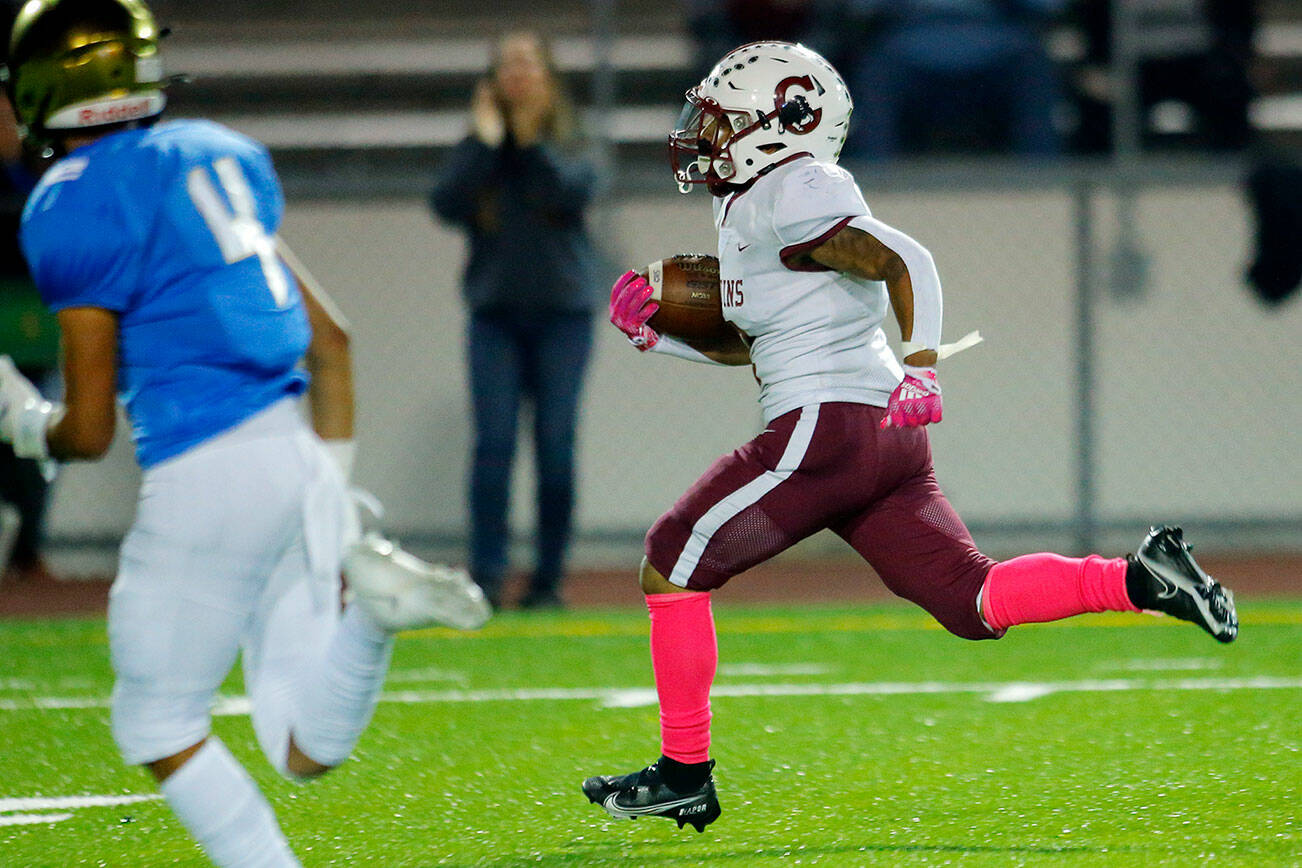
pixel 816 334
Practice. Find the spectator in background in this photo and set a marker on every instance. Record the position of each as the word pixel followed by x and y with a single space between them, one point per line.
pixel 951 75
pixel 719 26
pixel 1192 52
pixel 29 334
pixel 1274 191
pixel 530 288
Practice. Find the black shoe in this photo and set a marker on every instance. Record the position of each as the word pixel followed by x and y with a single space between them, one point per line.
pixel 542 600
pixel 1178 587
pixel 644 794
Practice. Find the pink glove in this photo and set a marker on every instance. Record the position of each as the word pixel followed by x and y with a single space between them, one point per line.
pixel 915 401
pixel 630 308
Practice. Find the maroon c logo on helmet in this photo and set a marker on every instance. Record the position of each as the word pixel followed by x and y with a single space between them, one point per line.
pixel 796 115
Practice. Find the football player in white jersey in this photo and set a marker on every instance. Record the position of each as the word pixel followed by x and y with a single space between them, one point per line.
pixel 807 275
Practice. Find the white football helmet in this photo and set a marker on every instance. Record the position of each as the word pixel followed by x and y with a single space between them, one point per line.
pixel 765 102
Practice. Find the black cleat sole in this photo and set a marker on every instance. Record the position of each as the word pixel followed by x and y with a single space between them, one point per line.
pixel 698 825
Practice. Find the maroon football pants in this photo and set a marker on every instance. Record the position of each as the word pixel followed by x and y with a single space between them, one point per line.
pixel 828 466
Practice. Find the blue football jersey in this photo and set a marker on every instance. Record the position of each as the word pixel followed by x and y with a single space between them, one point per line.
pixel 173 227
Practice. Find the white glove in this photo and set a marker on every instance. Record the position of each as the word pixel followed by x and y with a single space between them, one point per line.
pixel 24 415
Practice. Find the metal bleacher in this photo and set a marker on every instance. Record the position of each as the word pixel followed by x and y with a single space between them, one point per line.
pixel 359 102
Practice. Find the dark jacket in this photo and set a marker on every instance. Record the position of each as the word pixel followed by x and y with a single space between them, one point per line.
pixel 523 210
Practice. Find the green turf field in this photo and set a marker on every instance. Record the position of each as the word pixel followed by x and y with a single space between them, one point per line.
pixel 844 736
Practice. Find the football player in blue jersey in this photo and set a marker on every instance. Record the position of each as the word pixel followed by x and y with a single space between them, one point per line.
pixel 155 244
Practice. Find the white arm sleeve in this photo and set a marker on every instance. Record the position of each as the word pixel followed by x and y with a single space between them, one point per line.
pixel 928 307
pixel 676 348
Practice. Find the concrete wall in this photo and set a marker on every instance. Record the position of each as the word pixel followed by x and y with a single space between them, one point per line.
pixel 1198 410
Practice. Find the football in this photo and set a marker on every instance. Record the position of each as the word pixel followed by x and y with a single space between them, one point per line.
pixel 686 286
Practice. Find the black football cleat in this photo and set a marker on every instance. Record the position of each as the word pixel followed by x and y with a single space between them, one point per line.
pixel 1178 587
pixel 645 794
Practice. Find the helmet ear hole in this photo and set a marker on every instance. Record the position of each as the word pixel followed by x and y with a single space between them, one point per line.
pixel 794 112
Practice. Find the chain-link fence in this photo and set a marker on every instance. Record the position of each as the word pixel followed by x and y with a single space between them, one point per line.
pixel 1129 374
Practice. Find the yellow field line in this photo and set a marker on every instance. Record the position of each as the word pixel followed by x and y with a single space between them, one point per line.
pixel 620 625
pixel 847 623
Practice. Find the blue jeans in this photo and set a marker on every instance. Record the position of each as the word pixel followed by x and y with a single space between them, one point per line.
pixel 513 358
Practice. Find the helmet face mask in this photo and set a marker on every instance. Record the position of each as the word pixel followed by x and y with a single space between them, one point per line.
pixel 764 103
pixel 83 65
pixel 700 145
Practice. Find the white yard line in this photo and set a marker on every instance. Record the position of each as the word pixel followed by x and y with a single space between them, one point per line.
pixel 425 675
pixel 63 804
pixel 763 670
pixel 50 803
pixel 1163 665
pixel 53 702
pixel 632 697
pixel 33 819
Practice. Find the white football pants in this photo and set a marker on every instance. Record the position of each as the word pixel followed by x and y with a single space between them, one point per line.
pixel 236 546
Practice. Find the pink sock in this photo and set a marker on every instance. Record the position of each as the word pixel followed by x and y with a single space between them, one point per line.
pixel 684 656
pixel 1047 587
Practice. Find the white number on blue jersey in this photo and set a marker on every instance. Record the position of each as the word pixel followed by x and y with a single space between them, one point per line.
pixel 237 231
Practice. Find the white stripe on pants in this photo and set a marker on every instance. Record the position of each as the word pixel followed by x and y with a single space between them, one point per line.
pixel 746 496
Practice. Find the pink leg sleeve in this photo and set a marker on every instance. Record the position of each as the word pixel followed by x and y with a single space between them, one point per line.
pixel 1048 587
pixel 684 655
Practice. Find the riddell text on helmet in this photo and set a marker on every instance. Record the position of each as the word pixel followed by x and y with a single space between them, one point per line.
pixel 94 116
